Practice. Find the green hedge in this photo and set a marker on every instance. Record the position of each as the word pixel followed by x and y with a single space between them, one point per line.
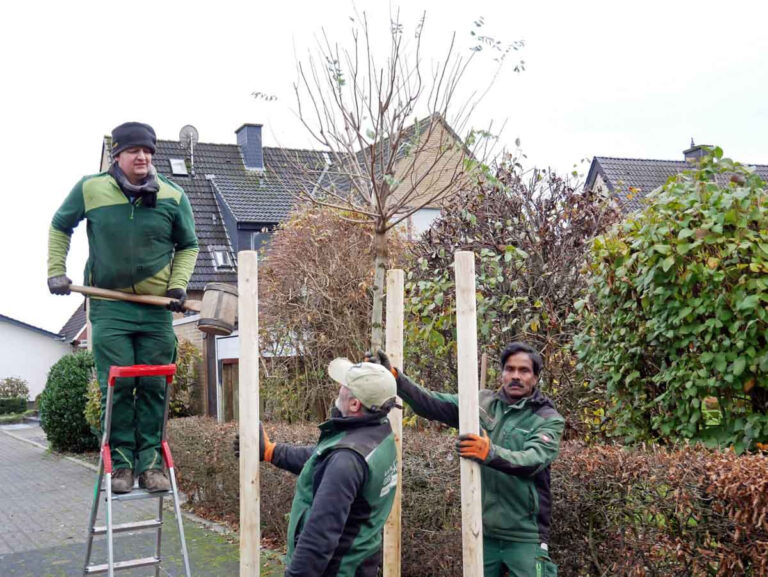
pixel 617 511
pixel 62 404
pixel 12 406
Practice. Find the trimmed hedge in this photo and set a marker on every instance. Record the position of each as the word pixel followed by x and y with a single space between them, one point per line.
pixel 12 406
pixel 62 404
pixel 617 511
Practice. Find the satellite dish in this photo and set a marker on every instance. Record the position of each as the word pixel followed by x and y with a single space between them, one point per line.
pixel 188 136
pixel 187 139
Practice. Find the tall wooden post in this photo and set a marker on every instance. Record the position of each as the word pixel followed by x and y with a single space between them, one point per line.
pixel 88 328
pixel 394 346
pixel 248 330
pixel 469 415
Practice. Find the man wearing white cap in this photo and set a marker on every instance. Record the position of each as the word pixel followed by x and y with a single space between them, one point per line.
pixel 346 483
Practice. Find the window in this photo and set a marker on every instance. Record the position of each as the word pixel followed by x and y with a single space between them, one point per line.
pixel 222 258
pixel 422 219
pixel 178 166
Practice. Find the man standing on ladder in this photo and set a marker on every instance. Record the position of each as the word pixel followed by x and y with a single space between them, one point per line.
pixel 519 438
pixel 141 239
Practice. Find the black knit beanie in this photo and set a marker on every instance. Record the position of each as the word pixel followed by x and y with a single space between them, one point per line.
pixel 130 134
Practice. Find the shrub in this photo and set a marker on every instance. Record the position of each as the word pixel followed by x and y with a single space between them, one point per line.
pixel 687 511
pixel 62 404
pixel 185 389
pixel 675 327
pixel 12 405
pixel 13 388
pixel 530 235
pixel 315 295
pixel 92 411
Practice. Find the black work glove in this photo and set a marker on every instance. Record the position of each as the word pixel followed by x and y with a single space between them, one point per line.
pixel 266 447
pixel 179 296
pixel 381 358
pixel 59 285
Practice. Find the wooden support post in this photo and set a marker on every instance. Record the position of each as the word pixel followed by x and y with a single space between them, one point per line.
pixel 248 327
pixel 394 346
pixel 88 328
pixel 469 413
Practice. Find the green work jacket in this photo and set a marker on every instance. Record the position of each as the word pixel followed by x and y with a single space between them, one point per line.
pixel 351 548
pixel 525 439
pixel 132 248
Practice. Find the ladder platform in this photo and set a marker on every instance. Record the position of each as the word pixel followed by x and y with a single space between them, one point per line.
pixel 120 565
pixel 123 527
pixel 138 494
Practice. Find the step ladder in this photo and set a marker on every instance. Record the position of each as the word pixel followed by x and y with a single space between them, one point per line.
pixel 103 488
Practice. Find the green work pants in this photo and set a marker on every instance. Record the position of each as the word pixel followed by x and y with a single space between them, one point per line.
pixel 127 334
pixel 521 559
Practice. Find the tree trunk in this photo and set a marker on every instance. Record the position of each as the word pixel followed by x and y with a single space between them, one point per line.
pixel 379 275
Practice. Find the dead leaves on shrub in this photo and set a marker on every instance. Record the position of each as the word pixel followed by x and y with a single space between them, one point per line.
pixel 645 511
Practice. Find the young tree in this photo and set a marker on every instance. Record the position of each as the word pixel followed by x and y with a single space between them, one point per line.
pixel 389 130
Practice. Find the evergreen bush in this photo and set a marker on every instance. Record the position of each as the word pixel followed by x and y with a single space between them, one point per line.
pixel 62 404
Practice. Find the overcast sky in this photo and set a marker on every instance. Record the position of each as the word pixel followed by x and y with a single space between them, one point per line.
pixel 634 80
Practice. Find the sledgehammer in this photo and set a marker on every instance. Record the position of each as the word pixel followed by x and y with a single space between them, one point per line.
pixel 189 305
pixel 218 309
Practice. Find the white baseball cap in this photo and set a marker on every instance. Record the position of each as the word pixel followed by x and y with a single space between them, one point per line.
pixel 370 383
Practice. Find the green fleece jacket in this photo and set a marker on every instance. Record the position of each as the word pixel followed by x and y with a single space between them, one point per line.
pixel 132 248
pixel 525 439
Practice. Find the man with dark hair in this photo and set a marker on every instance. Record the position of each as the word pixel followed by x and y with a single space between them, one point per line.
pixel 346 482
pixel 519 438
pixel 141 240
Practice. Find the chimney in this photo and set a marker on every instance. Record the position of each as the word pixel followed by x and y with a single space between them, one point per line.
pixel 695 152
pixel 249 141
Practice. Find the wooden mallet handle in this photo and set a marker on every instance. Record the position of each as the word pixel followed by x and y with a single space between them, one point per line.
pixel 189 305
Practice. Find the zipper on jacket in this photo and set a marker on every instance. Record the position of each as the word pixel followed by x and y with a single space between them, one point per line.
pixel 131 245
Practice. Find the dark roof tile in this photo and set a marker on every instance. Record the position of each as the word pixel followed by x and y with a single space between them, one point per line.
pixel 75 324
pixel 631 179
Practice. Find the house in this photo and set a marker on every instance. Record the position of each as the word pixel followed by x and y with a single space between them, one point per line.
pixel 28 352
pixel 631 179
pixel 75 330
pixel 240 192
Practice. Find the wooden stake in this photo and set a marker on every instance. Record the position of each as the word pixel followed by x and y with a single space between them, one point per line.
pixel 394 328
pixel 469 415
pixel 248 327
pixel 483 370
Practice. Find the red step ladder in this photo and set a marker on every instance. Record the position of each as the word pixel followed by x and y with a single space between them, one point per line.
pixel 103 489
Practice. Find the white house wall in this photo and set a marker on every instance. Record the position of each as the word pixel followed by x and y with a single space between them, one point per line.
pixel 29 355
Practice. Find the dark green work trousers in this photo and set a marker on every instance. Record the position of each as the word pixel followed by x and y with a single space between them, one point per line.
pixel 520 559
pixel 127 334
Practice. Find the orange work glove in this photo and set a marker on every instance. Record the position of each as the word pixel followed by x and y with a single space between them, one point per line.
pixel 475 447
pixel 266 447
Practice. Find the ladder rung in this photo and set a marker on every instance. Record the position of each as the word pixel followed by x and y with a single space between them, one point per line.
pixel 137 494
pixel 122 527
pixel 119 565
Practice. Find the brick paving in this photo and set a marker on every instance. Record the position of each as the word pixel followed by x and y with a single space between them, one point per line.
pixel 45 502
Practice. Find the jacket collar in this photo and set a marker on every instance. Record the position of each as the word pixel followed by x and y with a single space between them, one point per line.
pixel 346 423
pixel 537 399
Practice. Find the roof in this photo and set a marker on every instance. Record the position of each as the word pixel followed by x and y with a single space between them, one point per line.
pixel 74 326
pixel 31 327
pixel 267 197
pixel 631 179
pixel 209 224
